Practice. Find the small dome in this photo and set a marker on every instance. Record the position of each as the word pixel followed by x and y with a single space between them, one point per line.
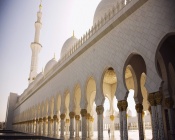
pixel 68 44
pixel 49 65
pixel 103 7
pixel 38 77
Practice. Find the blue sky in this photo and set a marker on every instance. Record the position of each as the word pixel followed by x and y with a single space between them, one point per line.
pixel 17 18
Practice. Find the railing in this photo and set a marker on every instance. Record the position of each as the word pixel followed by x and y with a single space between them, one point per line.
pixel 104 20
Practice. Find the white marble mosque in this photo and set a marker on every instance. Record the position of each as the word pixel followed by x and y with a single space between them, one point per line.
pixel 130 46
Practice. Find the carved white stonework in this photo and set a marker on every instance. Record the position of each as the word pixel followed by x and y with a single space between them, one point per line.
pixel 160 122
pixel 121 125
pixel 154 123
pixel 71 127
pixel 125 126
pixel 84 128
pixel 77 129
pixel 100 126
pixel 140 125
pixel 62 129
pixel 55 128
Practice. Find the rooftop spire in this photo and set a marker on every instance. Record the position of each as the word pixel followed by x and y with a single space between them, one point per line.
pixel 40 6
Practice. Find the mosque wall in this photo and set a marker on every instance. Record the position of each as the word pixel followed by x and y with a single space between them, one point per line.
pixel 139 33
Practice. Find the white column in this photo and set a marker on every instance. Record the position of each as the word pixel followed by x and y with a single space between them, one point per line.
pixel 119 105
pixel 49 126
pixel 158 99
pixel 67 126
pixel 169 104
pixel 72 115
pixel 44 126
pixel 91 120
pixel 124 115
pixel 125 126
pixel 55 131
pixel 139 109
pixel 153 116
pixel 77 118
pixel 100 110
pixel 84 123
pixel 62 116
pixel 36 132
pixel 88 125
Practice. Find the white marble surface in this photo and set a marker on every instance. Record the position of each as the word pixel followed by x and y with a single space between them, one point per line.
pixel 132 135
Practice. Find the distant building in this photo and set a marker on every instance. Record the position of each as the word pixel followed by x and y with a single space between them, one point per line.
pixel 131 45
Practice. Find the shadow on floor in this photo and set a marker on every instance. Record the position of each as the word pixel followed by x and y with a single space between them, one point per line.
pixel 13 135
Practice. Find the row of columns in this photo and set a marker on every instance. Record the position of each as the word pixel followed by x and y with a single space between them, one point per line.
pixel 155 100
pixel 47 125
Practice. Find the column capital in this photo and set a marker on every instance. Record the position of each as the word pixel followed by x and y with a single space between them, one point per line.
pixel 83 112
pixel 67 120
pixel 62 116
pixel 55 118
pixel 72 115
pixel 158 97
pixel 49 118
pixel 124 105
pixel 40 119
pixel 119 105
pixel 88 116
pixel 112 117
pixel 99 109
pixel 77 117
pixel 44 119
pixel 139 108
pixel 151 99
pixel 169 102
pixel 91 119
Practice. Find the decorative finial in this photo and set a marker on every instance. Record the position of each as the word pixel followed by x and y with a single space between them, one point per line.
pixel 40 6
pixel 73 34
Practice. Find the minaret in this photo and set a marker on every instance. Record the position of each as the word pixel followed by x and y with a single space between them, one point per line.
pixel 36 47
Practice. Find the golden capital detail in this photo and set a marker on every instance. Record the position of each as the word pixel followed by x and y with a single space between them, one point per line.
pixel 62 116
pixel 67 120
pixel 55 118
pixel 112 117
pixel 77 117
pixel 124 105
pixel 151 99
pixel 99 109
pixel 83 112
pixel 88 116
pixel 91 119
pixel 158 98
pixel 169 102
pixel 139 108
pixel 71 115
pixel 119 105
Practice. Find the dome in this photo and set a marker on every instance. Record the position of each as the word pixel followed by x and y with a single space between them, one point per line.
pixel 49 65
pixel 68 44
pixel 38 77
pixel 103 7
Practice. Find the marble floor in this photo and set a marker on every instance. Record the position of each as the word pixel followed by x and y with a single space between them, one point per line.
pixel 132 135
